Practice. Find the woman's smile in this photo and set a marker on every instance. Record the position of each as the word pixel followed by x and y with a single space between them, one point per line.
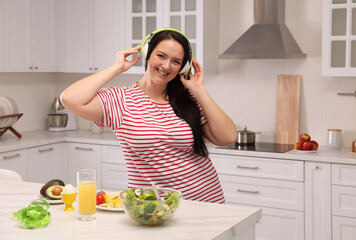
pixel 162 72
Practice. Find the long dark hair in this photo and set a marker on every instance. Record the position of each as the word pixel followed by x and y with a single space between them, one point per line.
pixel 178 96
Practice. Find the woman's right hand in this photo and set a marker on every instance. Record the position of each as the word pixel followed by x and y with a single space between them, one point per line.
pixel 121 62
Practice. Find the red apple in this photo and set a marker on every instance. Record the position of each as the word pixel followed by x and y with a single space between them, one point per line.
pixel 307 146
pixel 315 145
pixel 298 146
pixel 304 137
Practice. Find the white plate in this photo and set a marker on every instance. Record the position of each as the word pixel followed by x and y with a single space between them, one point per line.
pixel 14 105
pixel 2 113
pixel 51 201
pixel 7 105
pixel 304 151
pixel 110 209
pixel 15 110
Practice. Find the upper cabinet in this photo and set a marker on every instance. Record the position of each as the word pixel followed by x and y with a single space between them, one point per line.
pixel 29 35
pixel 197 19
pixel 84 35
pixel 92 34
pixel 339 38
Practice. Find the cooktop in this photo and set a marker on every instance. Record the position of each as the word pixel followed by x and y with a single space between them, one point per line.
pixel 261 147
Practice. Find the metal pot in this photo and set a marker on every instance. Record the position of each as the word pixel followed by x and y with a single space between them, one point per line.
pixel 57 120
pixel 245 137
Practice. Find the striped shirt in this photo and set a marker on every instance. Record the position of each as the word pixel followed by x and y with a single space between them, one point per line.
pixel 158 145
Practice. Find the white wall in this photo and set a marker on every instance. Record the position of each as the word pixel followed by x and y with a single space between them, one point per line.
pixel 245 89
pixel 34 93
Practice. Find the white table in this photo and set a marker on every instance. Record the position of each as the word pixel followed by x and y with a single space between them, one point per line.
pixel 193 220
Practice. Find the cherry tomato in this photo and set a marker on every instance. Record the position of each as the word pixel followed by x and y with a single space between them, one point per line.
pixel 100 199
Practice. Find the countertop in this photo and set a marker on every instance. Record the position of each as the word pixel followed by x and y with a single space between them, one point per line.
pixel 38 138
pixel 193 220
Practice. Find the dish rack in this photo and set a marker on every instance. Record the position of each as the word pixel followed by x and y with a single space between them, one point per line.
pixel 14 117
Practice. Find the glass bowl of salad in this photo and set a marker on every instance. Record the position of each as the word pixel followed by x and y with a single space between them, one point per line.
pixel 151 205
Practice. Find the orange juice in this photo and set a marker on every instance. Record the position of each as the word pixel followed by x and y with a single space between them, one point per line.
pixel 87 198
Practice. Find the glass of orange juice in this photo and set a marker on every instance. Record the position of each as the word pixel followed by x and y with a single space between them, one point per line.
pixel 86 184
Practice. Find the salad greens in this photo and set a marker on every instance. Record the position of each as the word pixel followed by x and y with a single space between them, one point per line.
pixel 35 215
pixel 144 207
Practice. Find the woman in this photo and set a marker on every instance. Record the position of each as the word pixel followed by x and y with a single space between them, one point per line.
pixel 161 120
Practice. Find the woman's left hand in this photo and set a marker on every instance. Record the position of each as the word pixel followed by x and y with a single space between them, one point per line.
pixel 195 80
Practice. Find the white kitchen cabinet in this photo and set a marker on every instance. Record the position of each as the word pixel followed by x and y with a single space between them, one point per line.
pixel 344 175
pixel 93 31
pixel 83 156
pixel 275 185
pixel 114 173
pixel 344 228
pixel 343 201
pixel 291 225
pixel 47 162
pixel 317 201
pixel 114 176
pixel 16 161
pixel 339 38
pixel 30 36
pixel 197 19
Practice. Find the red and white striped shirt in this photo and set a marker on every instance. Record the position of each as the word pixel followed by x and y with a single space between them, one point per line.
pixel 158 145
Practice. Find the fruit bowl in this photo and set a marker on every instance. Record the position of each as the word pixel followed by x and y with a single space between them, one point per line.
pixel 143 206
pixel 305 151
pixel 306 144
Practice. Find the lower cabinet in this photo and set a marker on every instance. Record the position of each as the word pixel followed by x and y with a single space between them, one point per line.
pixel 83 156
pixel 16 161
pixel 317 201
pixel 343 202
pixel 280 224
pixel 114 177
pixel 113 168
pixel 47 162
pixel 344 228
pixel 63 160
pixel 274 185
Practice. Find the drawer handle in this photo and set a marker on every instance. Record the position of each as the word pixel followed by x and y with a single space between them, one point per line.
pixel 246 167
pixel 12 156
pixel 45 150
pixel 248 191
pixel 83 148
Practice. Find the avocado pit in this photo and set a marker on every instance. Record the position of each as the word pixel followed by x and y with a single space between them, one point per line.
pixel 54 192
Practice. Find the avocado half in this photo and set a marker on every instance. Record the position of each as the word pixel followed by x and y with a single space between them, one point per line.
pixel 54 192
pixel 53 182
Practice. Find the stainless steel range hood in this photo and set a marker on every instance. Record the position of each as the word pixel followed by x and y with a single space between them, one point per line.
pixel 268 38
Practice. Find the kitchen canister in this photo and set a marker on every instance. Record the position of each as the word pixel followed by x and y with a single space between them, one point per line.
pixel 353 146
pixel 334 140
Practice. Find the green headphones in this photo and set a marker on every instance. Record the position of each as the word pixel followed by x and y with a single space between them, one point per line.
pixel 146 42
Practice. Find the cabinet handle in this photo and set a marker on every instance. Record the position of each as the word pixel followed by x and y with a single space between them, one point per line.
pixel 45 150
pixel 96 68
pixel 253 168
pixel 83 148
pixel 36 67
pixel 90 68
pixel 317 167
pixel 31 68
pixel 248 191
pixel 12 156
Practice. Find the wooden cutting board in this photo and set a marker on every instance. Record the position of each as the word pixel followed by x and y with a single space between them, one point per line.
pixel 287 111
